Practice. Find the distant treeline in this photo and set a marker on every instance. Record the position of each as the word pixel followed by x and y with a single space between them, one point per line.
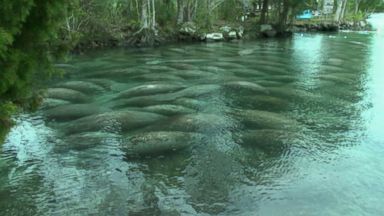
pixel 122 19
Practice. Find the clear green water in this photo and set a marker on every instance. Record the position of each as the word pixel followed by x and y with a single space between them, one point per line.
pixel 301 134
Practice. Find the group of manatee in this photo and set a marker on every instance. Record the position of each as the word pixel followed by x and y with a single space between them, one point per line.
pixel 153 107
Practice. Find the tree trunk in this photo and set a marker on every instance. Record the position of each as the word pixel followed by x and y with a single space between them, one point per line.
pixel 357 4
pixel 180 11
pixel 195 10
pixel 245 5
pixel 264 12
pixel 147 35
pixel 208 18
pixel 283 15
pixel 191 10
pixel 153 26
pixel 144 15
pixel 343 10
pixel 137 9
pixel 338 11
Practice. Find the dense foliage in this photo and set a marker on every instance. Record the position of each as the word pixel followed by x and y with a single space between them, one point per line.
pixel 96 22
pixel 28 44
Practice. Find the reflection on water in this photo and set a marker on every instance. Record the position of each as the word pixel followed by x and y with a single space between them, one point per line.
pixel 289 127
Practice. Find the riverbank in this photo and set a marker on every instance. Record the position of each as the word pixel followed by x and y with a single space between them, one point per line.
pixel 190 32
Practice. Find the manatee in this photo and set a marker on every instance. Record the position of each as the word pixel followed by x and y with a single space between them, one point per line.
pixel 81 86
pixel 87 140
pixel 179 50
pixel 183 66
pixel 248 73
pixel 331 68
pixel 345 75
pixel 335 61
pixel 200 122
pixel 117 74
pixel 104 83
pixel 172 164
pixel 273 69
pixel 168 109
pixel 49 103
pixel 66 66
pixel 336 105
pixel 336 79
pixel 149 89
pixel 199 90
pixel 342 94
pixel 191 103
pixel 283 78
pixel 116 121
pixel 154 62
pixel 231 65
pixel 292 93
pixel 156 77
pixel 246 52
pixel 151 143
pixel 192 74
pixel 361 44
pixel 149 100
pixel 273 64
pixel 67 94
pixel 71 111
pixel 268 139
pixel 245 85
pixel 191 92
pixel 264 102
pixel 263 119
pixel 157 68
pixel 267 83
pixel 213 69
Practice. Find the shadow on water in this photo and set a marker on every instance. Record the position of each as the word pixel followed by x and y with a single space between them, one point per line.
pixel 213 129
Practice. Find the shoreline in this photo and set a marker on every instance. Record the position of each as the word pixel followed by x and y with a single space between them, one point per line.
pixel 259 32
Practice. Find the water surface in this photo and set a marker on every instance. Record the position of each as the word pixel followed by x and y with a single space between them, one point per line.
pixel 285 127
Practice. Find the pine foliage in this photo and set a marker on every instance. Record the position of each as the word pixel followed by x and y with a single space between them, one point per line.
pixel 28 44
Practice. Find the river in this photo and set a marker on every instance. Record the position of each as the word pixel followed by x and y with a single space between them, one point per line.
pixel 274 127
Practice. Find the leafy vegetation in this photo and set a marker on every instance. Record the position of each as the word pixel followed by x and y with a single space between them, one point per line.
pixel 28 45
pixel 356 10
pixel 97 23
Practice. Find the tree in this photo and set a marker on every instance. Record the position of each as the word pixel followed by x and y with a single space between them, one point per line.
pixel 284 11
pixel 28 44
pixel 357 4
pixel 369 6
pixel 147 34
pixel 343 9
pixel 264 12
pixel 339 8
pixel 186 10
